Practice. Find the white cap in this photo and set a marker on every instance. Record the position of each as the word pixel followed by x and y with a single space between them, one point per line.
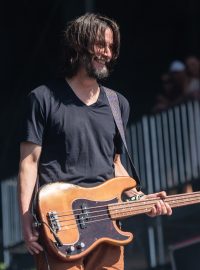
pixel 176 66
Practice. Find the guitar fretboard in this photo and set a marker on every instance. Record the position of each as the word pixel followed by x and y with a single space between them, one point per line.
pixel 127 209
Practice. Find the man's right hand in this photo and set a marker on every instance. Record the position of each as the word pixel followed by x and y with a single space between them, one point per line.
pixel 30 234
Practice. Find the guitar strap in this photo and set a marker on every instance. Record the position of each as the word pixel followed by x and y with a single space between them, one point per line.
pixel 115 108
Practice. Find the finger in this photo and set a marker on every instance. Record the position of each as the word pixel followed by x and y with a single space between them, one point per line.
pixel 152 213
pixel 33 250
pixel 149 196
pixel 158 208
pixel 169 209
pixel 38 246
pixel 163 208
pixel 34 247
pixel 161 194
pixel 30 251
pixel 33 241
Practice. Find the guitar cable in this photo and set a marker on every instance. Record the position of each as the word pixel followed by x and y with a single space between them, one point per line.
pixel 47 260
pixel 37 224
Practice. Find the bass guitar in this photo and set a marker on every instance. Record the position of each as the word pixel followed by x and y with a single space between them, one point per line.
pixel 74 219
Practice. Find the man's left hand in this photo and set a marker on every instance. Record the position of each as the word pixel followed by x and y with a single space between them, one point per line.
pixel 161 207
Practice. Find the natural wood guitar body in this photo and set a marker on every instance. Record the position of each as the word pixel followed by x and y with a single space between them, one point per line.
pixel 80 216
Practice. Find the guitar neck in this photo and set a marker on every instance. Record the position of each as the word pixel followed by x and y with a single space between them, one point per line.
pixel 128 209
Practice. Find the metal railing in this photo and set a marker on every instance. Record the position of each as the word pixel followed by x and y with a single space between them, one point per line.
pixel 11 224
pixel 166 147
pixel 166 150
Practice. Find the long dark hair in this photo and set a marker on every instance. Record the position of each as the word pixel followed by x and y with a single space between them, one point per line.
pixel 79 39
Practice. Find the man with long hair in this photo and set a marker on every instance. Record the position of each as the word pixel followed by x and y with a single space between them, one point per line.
pixel 69 135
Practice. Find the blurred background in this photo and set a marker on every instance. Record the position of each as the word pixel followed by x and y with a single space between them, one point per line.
pixel 158 71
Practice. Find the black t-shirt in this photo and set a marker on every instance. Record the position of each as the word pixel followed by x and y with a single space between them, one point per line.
pixel 78 141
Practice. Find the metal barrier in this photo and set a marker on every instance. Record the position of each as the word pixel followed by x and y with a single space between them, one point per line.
pixel 11 224
pixel 166 147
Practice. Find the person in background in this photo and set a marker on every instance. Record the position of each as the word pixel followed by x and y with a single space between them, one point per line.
pixel 193 72
pixel 174 87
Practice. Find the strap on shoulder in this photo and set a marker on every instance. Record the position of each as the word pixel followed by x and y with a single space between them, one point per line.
pixel 115 108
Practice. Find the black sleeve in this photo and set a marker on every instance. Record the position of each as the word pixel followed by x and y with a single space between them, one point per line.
pixel 125 111
pixel 35 116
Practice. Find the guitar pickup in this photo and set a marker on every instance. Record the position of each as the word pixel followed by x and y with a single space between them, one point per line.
pixel 53 221
pixel 84 216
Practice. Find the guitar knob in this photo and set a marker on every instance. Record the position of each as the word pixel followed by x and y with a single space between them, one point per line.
pixel 70 249
pixel 80 245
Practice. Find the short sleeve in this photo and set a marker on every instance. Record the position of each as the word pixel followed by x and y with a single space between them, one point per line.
pixel 35 117
pixel 125 111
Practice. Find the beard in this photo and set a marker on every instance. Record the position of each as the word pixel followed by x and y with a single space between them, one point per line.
pixel 95 72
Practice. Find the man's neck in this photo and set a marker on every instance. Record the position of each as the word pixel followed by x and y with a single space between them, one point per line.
pixel 85 88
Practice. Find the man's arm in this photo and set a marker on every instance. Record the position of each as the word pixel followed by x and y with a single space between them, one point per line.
pixel 160 208
pixel 119 168
pixel 28 170
pixel 121 171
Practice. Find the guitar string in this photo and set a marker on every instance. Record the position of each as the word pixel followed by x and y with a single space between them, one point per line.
pixel 174 197
pixel 127 208
pixel 144 208
pixel 74 226
pixel 130 206
pixel 117 208
pixel 124 204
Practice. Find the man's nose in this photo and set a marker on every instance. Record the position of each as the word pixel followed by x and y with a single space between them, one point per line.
pixel 107 51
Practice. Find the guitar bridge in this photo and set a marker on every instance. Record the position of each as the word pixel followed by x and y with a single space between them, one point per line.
pixel 53 221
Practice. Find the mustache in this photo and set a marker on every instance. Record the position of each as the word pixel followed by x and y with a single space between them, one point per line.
pixel 105 59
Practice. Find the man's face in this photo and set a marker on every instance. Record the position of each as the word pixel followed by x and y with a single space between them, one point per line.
pixel 97 65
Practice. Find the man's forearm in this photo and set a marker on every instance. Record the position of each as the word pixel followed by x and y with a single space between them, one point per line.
pixel 119 168
pixel 28 170
pixel 121 171
pixel 26 184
